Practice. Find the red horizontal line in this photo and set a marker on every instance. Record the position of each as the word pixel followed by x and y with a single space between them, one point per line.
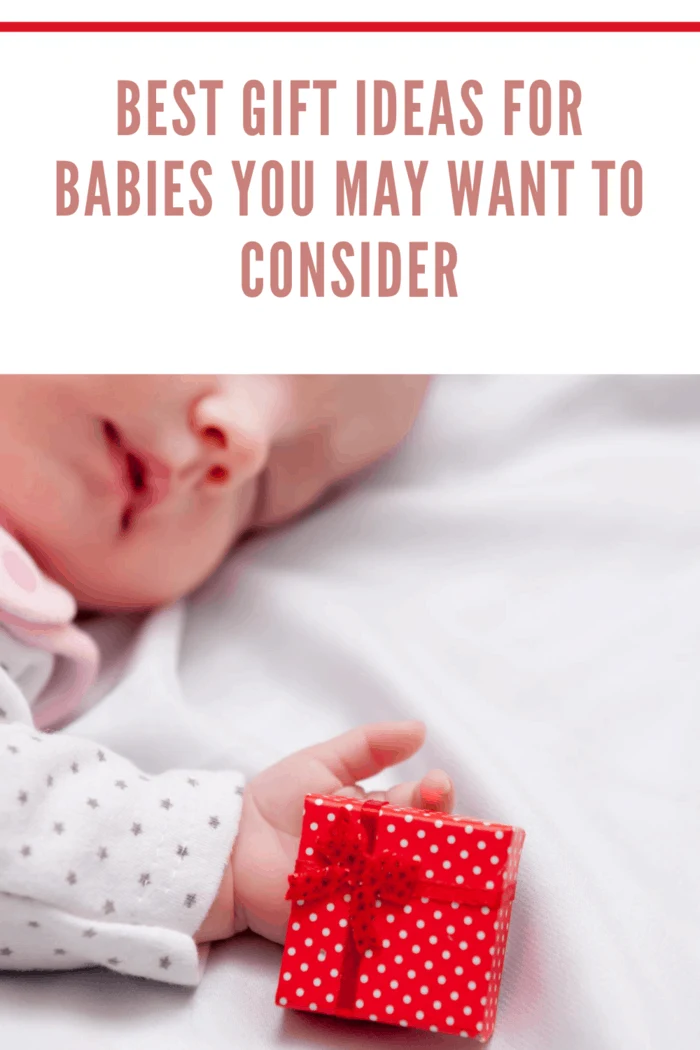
pixel 349 27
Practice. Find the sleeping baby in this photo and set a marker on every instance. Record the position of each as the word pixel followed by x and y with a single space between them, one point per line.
pixel 125 493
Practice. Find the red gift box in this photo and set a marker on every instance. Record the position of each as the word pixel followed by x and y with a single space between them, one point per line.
pixel 399 915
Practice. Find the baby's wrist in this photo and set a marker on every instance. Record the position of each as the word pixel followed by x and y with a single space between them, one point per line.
pixel 240 918
pixel 224 918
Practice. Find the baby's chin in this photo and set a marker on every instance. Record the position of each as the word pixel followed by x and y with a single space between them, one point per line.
pixel 145 579
pixel 97 591
pixel 112 597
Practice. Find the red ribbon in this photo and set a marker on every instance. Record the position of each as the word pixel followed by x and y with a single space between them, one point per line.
pixel 352 868
pixel 349 865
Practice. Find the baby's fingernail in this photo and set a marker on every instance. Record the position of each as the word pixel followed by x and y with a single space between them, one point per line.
pixel 431 795
pixel 435 790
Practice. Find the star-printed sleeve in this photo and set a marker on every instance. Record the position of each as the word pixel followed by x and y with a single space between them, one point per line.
pixel 101 864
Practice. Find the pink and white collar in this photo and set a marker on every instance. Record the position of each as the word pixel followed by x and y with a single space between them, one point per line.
pixel 38 611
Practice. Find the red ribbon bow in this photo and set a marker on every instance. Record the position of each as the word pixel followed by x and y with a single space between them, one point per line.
pixel 349 867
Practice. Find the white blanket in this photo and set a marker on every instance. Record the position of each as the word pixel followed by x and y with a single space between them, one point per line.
pixel 524 575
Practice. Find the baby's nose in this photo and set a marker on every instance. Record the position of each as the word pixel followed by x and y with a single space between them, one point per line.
pixel 235 445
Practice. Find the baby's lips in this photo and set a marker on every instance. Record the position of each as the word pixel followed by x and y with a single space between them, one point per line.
pixel 159 480
pixel 26 594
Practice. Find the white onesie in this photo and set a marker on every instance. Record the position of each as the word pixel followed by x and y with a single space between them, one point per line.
pixel 100 864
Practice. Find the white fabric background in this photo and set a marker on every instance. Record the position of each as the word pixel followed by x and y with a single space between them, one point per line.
pixel 524 575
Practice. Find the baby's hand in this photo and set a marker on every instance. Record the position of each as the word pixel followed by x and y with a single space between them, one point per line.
pixel 268 837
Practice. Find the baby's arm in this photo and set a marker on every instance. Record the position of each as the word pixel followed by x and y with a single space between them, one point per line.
pixel 329 428
pixel 99 863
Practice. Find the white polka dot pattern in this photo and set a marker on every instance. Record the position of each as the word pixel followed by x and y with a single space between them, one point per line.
pixel 439 960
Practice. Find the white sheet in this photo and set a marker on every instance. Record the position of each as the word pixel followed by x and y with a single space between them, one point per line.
pixel 524 575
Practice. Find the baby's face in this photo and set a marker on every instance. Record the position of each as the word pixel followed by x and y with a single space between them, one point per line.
pixel 128 490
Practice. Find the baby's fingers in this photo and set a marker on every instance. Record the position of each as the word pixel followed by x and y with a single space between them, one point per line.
pixel 367 750
pixel 435 791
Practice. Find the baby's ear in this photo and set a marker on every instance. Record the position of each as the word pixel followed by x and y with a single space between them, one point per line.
pixel 27 596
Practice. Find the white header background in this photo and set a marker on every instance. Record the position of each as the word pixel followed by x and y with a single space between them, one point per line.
pixel 576 293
